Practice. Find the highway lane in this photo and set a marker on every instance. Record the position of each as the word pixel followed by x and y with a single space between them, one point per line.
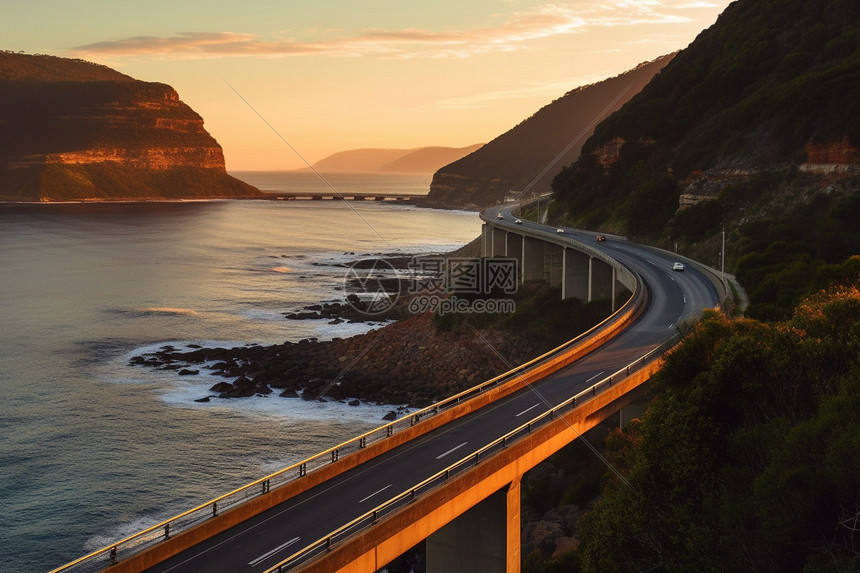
pixel 270 537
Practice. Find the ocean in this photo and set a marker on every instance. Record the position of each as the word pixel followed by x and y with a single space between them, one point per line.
pixel 93 449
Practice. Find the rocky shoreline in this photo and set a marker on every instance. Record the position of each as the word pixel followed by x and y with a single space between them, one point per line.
pixel 411 362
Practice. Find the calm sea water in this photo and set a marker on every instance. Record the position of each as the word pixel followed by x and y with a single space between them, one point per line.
pixel 91 449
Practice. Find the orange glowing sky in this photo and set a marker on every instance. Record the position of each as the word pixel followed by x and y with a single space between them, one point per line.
pixel 338 75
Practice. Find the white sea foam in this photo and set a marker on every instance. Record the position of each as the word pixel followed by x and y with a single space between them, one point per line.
pixel 122 531
pixel 184 391
pixel 166 310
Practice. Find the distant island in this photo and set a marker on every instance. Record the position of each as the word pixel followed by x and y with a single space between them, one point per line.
pixel 72 130
pixel 420 160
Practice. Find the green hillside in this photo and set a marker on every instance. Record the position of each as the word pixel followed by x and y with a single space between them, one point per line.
pixel 755 129
pixel 749 455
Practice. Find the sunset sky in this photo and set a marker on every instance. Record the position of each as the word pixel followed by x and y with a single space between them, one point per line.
pixel 333 75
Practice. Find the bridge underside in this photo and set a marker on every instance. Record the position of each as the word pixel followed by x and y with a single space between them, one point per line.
pixel 435 517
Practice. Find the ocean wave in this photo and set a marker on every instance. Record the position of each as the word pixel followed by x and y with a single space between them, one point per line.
pixel 185 393
pixel 122 531
pixel 166 310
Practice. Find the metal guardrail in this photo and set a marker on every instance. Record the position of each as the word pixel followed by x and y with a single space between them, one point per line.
pixel 326 543
pixel 134 544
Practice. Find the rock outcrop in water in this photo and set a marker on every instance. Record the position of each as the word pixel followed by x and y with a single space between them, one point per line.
pixel 72 130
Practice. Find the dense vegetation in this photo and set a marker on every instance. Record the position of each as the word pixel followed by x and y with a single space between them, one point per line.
pixel 749 456
pixel 541 316
pixel 768 77
pixel 736 110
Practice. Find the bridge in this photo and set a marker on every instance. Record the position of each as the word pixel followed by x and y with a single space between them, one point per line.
pixel 449 474
pixel 332 195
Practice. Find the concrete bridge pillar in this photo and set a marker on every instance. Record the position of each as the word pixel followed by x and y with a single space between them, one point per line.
pixel 576 275
pixel 532 262
pixel 486 538
pixel 500 242
pixel 602 280
pixel 514 250
pixel 553 262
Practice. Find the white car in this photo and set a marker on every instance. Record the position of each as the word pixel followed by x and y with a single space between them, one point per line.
pixel 518 221
pixel 678 267
pixel 559 230
pixel 500 216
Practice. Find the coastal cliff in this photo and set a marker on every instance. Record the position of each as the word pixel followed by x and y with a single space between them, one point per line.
pixel 72 130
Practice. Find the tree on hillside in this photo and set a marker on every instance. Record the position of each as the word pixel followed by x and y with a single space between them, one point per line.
pixel 749 456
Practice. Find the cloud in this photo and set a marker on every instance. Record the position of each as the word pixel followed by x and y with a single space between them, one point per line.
pixel 514 33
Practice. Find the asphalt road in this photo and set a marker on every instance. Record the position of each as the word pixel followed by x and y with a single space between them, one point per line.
pixel 267 539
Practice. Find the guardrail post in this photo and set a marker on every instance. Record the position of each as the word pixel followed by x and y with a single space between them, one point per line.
pixel 303 469
pixel 266 486
pixel 334 455
pixel 389 430
pixel 362 442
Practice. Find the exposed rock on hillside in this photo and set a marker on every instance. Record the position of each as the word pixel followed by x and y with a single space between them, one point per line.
pixel 525 156
pixel 73 130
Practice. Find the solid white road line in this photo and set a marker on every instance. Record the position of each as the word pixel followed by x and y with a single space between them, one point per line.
pixel 595 376
pixel 440 456
pixel 272 552
pixel 376 492
pixel 527 409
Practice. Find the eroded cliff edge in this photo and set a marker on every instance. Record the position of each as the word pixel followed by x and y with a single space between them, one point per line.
pixel 71 130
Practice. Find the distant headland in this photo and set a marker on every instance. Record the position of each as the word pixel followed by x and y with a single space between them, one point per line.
pixel 72 130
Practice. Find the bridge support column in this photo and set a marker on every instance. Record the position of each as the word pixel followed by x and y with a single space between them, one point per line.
pixel 532 262
pixel 514 556
pixel 576 275
pixel 500 242
pixel 475 541
pixel 514 250
pixel 553 257
pixel 602 281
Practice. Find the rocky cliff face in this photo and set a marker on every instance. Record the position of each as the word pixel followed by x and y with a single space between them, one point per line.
pixel 72 130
